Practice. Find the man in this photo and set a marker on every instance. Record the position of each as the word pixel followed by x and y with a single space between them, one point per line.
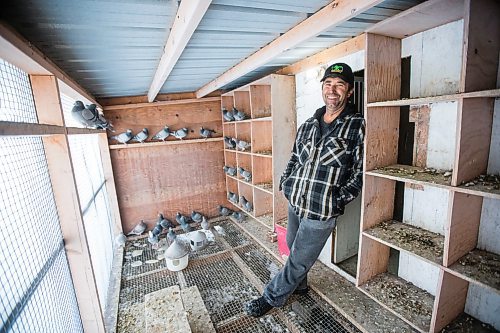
pixel 323 174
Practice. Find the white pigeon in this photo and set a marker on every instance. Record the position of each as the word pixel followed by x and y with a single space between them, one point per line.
pixel 123 137
pixel 162 134
pixel 120 239
pixel 138 229
pixel 204 223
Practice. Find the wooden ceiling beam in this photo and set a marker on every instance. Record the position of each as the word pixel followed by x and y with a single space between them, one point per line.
pixel 338 11
pixel 18 51
pixel 186 21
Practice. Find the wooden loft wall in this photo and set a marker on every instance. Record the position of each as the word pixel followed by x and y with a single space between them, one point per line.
pixel 171 176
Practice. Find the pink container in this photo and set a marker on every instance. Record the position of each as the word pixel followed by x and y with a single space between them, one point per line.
pixel 281 233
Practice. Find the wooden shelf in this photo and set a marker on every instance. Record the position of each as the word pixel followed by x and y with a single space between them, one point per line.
pixel 466 323
pixel 162 143
pixel 402 298
pixel 416 175
pixel 262 119
pixel 425 244
pixel 492 93
pixel 263 219
pixel 479 267
pixel 266 187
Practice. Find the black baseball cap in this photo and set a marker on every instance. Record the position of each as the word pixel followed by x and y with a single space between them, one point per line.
pixel 340 70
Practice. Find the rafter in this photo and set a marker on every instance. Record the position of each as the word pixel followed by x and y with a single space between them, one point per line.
pixel 186 21
pixel 338 11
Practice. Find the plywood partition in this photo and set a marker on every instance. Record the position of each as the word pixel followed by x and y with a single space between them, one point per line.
pixel 378 201
pixel 260 100
pixel 262 132
pixel 246 191
pixel 481 46
pixel 263 202
pixel 154 118
pixel 381 140
pixel 245 162
pixel 227 102
pixel 242 101
pixel 262 170
pixel 230 129
pixel 230 159
pixel 168 179
pixel 382 68
pixel 244 132
pixel 373 259
pixel 475 120
pixel 450 300
pixel 231 185
pixel 463 226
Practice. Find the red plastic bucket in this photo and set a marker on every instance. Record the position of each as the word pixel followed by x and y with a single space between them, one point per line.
pixel 281 233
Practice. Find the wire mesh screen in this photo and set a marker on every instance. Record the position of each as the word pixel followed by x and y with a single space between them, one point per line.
pixel 95 207
pixel 66 105
pixel 16 98
pixel 36 293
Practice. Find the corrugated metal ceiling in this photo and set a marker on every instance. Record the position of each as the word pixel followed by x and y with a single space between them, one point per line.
pixel 112 48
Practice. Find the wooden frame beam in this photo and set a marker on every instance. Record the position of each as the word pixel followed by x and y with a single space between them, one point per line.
pixel 336 12
pixel 18 51
pixel 186 21
pixel 350 46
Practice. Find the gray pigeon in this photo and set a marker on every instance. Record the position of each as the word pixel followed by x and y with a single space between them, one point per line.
pixel 171 235
pixel 165 223
pixel 120 239
pixel 206 133
pixel 239 216
pixel 227 115
pixel 247 205
pixel 162 134
pixel 224 211
pixel 242 145
pixel 83 115
pixel 157 230
pixel 183 221
pixel 138 229
pixel 123 137
pixel 196 217
pixel 233 197
pixel 229 142
pixel 99 121
pixel 180 133
pixel 229 170
pixel 204 223
pixel 152 238
pixel 141 136
pixel 245 174
pixel 239 115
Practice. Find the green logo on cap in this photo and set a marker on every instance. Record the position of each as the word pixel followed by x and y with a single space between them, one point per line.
pixel 337 69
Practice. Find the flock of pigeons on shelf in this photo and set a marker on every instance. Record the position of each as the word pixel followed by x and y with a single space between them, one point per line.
pixel 233 114
pixel 187 224
pixel 232 171
pixel 233 143
pixel 89 116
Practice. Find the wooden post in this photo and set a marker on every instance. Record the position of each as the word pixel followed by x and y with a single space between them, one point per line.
pixel 48 106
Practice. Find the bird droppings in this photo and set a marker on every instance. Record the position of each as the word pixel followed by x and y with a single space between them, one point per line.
pixel 136 253
pixel 481 266
pixel 429 175
pixel 136 263
pixel 151 261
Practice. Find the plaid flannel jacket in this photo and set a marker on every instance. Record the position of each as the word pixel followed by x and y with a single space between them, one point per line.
pixel 325 173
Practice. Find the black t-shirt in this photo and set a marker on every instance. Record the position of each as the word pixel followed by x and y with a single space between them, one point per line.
pixel 323 126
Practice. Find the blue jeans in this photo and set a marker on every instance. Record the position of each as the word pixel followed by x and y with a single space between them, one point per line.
pixel 305 238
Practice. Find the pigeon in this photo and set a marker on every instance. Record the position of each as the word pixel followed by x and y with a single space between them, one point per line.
pixel 157 230
pixel 83 115
pixel 245 174
pixel 138 229
pixel 247 205
pixel 206 133
pixel 204 223
pixel 120 239
pixel 227 115
pixel 238 115
pixel 123 137
pixel 229 170
pixel 180 133
pixel 171 235
pixel 196 217
pixel 183 221
pixel 141 136
pixel 162 134
pixel 152 238
pixel 233 197
pixel 229 142
pixel 102 123
pixel 224 211
pixel 165 223
pixel 242 145
pixel 239 216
